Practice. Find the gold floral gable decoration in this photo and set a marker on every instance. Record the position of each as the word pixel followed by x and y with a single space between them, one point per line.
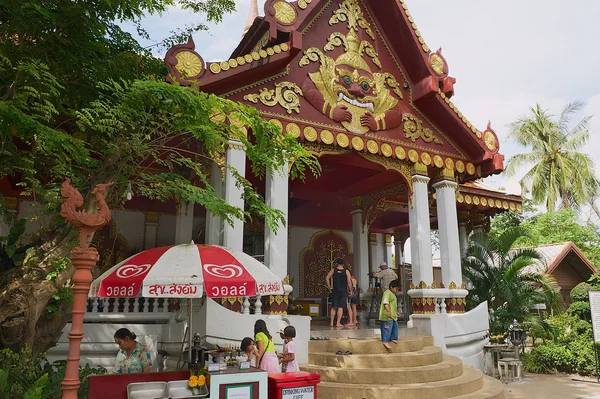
pixel 413 130
pixel 347 90
pixel 285 94
pixel 188 64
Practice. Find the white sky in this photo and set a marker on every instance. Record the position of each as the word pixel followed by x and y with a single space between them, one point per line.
pixel 506 56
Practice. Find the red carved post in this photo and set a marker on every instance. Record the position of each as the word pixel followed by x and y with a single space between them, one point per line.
pixel 83 258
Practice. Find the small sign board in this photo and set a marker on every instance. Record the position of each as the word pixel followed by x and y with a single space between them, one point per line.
pixel 298 393
pixel 595 309
pixel 239 392
pixel 244 365
pixel 212 367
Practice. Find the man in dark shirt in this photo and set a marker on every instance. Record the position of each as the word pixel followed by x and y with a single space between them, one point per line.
pixel 341 289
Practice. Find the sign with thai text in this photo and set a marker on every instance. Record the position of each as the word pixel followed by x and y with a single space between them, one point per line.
pixel 239 392
pixel 595 309
pixel 298 393
pixel 173 290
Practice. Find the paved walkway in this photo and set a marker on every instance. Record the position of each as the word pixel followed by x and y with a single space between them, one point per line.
pixel 550 386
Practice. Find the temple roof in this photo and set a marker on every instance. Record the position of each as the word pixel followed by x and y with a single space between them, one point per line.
pixel 356 84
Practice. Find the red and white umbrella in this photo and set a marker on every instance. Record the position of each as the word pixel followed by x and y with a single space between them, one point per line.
pixel 186 271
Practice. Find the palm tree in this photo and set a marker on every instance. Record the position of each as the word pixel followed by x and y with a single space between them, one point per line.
pixel 512 280
pixel 559 173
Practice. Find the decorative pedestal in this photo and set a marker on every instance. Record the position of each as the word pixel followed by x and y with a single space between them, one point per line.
pixel 234 303
pixel 275 304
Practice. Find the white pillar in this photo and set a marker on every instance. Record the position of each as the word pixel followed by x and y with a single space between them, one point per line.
pixel 389 250
pixel 233 234
pixel 184 223
pixel 214 224
pixel 463 239
pixel 150 229
pixel 400 238
pixel 374 252
pixel 420 232
pixel 276 244
pixel 478 222
pixel 445 190
pixel 360 246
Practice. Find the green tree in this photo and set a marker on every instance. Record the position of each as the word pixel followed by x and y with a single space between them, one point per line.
pixel 558 172
pixel 80 98
pixel 510 279
pixel 550 228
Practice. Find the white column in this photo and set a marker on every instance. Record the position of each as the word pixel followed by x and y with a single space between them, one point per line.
pixel 445 190
pixel 400 238
pixel 150 229
pixel 478 222
pixel 233 234
pixel 463 239
pixel 184 223
pixel 360 246
pixel 420 232
pixel 374 252
pixel 214 224
pixel 389 250
pixel 276 244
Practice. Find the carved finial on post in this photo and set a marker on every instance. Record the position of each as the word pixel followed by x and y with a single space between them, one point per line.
pixel 83 258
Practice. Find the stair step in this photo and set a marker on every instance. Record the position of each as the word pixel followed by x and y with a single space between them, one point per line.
pixel 450 367
pixel 368 345
pixel 426 356
pixel 469 382
pixel 492 389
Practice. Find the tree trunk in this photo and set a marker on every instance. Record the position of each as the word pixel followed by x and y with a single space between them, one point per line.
pixel 25 294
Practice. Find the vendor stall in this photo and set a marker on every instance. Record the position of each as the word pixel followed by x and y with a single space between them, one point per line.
pixel 188 271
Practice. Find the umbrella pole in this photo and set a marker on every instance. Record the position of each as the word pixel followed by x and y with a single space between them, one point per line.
pixel 190 338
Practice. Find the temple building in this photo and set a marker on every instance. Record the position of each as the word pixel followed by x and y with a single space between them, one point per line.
pixel 358 86
pixel 355 82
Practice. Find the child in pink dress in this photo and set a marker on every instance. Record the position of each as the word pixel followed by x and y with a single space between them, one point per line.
pixel 288 359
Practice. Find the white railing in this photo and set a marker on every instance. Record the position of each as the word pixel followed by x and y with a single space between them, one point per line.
pixel 120 309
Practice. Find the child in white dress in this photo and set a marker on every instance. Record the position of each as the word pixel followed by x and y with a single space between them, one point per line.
pixel 288 359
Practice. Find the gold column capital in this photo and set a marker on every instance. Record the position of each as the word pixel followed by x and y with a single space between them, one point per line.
pixel 420 169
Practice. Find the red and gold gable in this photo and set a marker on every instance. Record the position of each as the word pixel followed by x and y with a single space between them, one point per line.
pixel 326 72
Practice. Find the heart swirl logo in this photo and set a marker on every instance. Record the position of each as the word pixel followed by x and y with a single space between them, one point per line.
pixel 130 271
pixel 223 271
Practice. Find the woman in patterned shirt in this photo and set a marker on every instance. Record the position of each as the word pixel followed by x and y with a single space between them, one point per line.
pixel 133 357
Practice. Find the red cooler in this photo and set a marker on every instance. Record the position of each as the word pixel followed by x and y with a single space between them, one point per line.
pixel 298 385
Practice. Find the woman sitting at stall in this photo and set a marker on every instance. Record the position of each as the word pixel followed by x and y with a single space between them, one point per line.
pixel 267 358
pixel 133 357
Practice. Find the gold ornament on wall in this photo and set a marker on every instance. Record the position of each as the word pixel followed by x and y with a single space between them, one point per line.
pixel 437 64
pixel 188 64
pixel 326 137
pixel 285 94
pixel 310 133
pixel 357 143
pixel 347 91
pixel 490 141
pixel 350 11
pixel 293 129
pixel 284 12
pixel 386 149
pixel 413 130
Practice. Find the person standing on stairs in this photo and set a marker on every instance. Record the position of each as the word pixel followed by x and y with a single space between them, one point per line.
pixel 341 290
pixel 388 315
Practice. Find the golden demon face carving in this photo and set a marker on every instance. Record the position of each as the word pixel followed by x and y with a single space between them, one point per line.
pixel 346 89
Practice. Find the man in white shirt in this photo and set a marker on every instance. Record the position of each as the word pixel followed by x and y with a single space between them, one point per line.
pixel 386 275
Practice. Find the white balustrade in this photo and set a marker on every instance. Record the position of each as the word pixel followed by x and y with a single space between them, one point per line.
pixel 258 305
pixel 122 309
pixel 246 305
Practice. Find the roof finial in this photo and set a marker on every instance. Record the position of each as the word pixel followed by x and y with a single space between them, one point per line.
pixel 252 15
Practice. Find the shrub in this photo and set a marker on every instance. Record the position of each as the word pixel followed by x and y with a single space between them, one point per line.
pixel 580 310
pixel 580 292
pixel 29 375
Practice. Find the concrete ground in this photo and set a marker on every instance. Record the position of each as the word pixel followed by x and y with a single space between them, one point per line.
pixel 550 386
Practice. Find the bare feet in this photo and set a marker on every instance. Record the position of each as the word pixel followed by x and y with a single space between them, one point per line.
pixel 387 345
pixel 349 325
pixel 339 325
pixel 394 341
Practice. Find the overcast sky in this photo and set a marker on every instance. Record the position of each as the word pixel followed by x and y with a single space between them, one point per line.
pixel 506 56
